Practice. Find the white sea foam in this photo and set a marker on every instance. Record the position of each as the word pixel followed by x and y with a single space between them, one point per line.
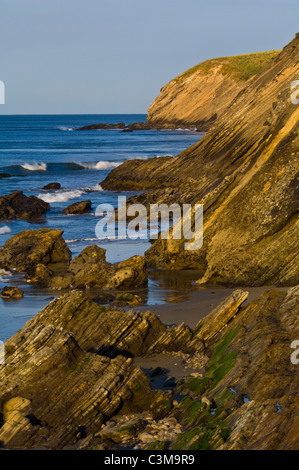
pixel 96 187
pixel 101 165
pixel 60 196
pixel 4 229
pixel 35 166
pixel 64 128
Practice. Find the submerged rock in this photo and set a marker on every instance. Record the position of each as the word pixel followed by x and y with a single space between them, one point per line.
pixel 18 206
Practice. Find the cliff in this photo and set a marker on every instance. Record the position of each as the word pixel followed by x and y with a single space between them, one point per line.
pixel 245 173
pixel 199 95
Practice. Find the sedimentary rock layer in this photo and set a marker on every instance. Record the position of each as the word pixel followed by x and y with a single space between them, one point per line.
pixel 245 173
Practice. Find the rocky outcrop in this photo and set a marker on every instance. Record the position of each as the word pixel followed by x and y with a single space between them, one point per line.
pixel 78 207
pixel 136 126
pixel 69 380
pixel 12 293
pixel 18 206
pixel 31 248
pixel 46 259
pixel 52 186
pixel 91 270
pixel 245 173
pixel 198 96
pixel 129 273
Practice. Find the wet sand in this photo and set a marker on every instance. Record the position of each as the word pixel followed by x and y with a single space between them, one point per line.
pixel 202 302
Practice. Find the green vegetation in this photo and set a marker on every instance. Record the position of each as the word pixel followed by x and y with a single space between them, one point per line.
pixel 239 68
pixel 209 432
pixel 222 360
pixel 158 445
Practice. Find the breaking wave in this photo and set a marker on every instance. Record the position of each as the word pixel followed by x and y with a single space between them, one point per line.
pixel 34 166
pixel 101 165
pixel 4 229
pixel 61 196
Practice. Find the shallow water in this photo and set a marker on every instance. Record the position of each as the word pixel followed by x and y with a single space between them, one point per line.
pixel 39 150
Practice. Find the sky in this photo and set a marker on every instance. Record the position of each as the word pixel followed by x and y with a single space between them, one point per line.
pixel 113 56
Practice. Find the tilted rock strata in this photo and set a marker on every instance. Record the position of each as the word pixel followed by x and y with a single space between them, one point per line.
pixel 66 376
pixel 245 172
pixel 199 96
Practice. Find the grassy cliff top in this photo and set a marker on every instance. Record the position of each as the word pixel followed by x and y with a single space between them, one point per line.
pixel 239 67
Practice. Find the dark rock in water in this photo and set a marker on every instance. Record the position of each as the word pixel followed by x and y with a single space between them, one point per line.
pixel 102 125
pixel 78 207
pixel 51 186
pixel 16 205
pixel 14 293
pixel 5 175
pixel 30 248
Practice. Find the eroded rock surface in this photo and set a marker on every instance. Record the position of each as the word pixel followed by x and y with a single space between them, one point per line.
pixel 78 207
pixel 68 381
pixel 18 206
pixel 27 249
pixel 245 173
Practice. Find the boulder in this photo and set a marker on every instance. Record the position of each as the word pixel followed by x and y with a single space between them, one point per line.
pixel 14 293
pixel 29 248
pixel 18 206
pixel 51 186
pixel 90 268
pixel 129 273
pixel 78 207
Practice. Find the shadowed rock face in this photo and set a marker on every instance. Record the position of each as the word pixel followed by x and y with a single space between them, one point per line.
pixel 68 372
pixel 245 172
pixel 18 206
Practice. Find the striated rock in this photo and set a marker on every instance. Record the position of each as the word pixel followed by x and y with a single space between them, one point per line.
pixel 14 293
pixel 71 392
pixel 95 326
pixel 212 325
pixel 245 173
pixel 51 186
pixel 131 174
pixel 27 249
pixel 18 206
pixel 78 207
pixel 202 93
pixel 57 393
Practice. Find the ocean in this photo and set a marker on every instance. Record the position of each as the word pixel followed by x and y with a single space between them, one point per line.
pixel 38 150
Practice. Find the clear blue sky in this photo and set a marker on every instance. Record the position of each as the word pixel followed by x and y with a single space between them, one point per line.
pixel 113 56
